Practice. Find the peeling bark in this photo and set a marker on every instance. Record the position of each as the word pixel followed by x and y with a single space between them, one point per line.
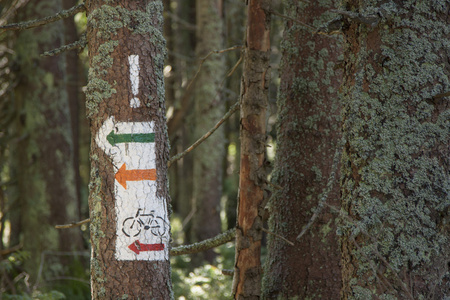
pixel 254 98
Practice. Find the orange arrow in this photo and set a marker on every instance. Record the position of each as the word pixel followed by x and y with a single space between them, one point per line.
pixel 124 175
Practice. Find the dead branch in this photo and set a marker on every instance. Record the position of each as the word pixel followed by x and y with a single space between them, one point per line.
pixel 72 225
pixel 227 272
pixel 12 10
pixel 278 236
pixel 80 45
pixel 208 55
pixel 233 108
pixel 10 250
pixel 218 240
pixel 178 114
pixel 47 20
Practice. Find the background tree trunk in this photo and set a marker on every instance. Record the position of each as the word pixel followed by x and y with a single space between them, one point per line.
pixel 254 95
pixel 396 185
pixel 73 85
pixel 44 155
pixel 125 96
pixel 209 107
pixel 308 132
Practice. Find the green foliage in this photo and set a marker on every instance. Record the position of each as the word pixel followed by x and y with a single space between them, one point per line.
pixel 52 295
pixel 11 267
pixel 15 259
pixel 205 282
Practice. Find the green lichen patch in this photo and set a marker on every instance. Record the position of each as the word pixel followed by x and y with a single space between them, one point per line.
pixel 108 20
pixel 396 183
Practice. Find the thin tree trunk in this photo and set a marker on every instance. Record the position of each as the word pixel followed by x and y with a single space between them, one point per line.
pixel 209 107
pixel 73 85
pixel 396 184
pixel 182 136
pixel 308 132
pixel 129 151
pixel 235 28
pixel 254 98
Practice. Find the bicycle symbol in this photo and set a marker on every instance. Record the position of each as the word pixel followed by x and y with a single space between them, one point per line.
pixel 132 226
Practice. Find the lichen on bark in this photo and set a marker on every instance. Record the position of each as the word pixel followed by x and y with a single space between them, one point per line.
pixel 395 187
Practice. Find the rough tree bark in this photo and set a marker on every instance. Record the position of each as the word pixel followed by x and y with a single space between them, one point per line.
pixel 396 184
pixel 129 151
pixel 254 97
pixel 209 107
pixel 308 133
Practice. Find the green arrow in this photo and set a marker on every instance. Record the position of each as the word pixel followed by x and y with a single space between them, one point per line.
pixel 114 139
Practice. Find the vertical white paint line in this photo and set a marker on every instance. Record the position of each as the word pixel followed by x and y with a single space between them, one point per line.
pixel 134 78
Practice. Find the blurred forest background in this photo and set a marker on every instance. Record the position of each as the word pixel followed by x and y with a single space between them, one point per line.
pixel 384 88
pixel 44 147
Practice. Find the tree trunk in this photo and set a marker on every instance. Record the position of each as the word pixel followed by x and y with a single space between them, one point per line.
pixel 308 132
pixel 208 109
pixel 254 98
pixel 128 199
pixel 73 87
pixel 396 184
pixel 44 155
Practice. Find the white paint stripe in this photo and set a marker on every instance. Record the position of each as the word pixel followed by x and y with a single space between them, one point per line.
pixel 139 201
pixel 134 78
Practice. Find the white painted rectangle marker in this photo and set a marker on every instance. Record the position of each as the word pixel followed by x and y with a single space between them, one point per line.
pixel 142 231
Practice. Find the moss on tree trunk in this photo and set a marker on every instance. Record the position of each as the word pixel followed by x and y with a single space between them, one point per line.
pixel 117 30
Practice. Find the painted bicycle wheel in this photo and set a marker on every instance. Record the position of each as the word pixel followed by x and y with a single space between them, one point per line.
pixel 131 227
pixel 158 226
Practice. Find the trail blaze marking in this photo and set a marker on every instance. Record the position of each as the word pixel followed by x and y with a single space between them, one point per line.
pixel 124 175
pixel 114 138
pixel 134 78
pixel 142 223
pixel 137 247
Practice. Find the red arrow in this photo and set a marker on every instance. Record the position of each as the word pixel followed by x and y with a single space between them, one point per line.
pixel 124 175
pixel 138 247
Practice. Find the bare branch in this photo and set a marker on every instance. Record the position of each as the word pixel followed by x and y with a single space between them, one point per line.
pixel 227 272
pixel 206 57
pixel 177 19
pixel 11 10
pixel 233 108
pixel 10 250
pixel 327 190
pixel 218 240
pixel 39 22
pixel 80 44
pixel 235 66
pixel 278 236
pixel 177 117
pixel 72 225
